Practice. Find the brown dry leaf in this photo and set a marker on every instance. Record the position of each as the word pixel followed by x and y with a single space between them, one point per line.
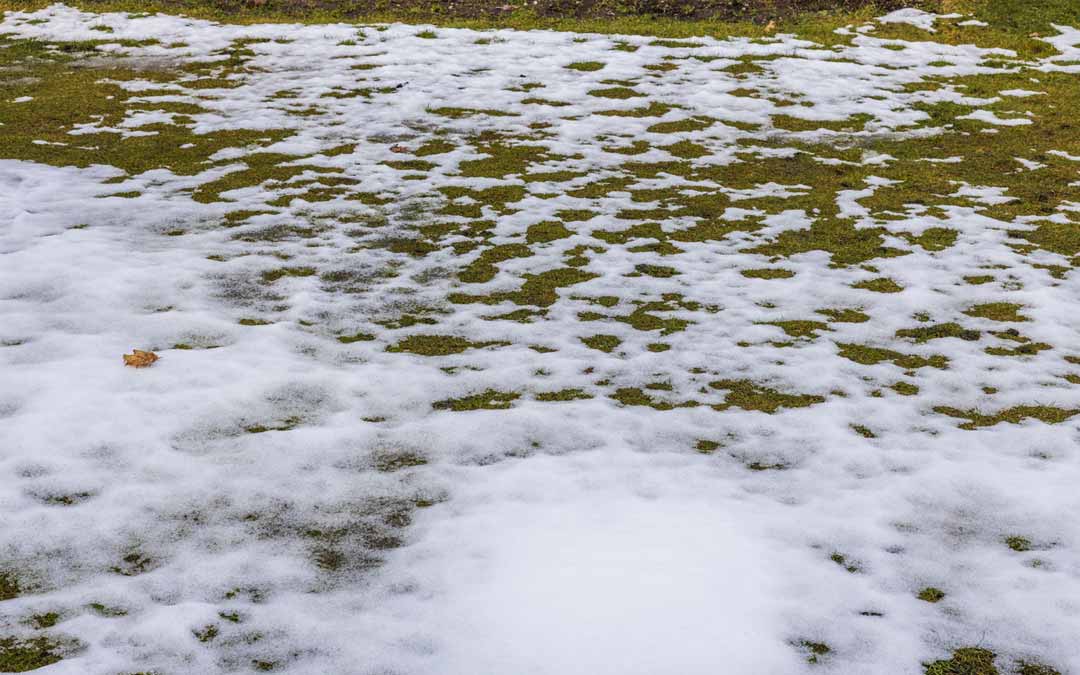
pixel 398 148
pixel 770 27
pixel 139 359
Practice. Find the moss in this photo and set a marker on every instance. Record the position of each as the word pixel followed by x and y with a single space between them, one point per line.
pixel 965 661
pixel 1018 544
pixel 931 594
pixel 799 329
pixel 547 231
pixel 657 271
pixel 657 347
pixel 867 356
pixel 846 244
pixel 842 560
pixel 19 656
pixel 133 564
pixel 879 285
pixel 904 388
pixel 1014 415
pixel 503 158
pixel 270 276
pixel 438 345
pixel 844 315
pixel 410 165
pixel 773 273
pixel 357 337
pixel 484 269
pixel 539 290
pixel 563 395
pixel 815 651
pixel 1028 349
pixel 43 621
pixel 863 431
pixel 206 633
pixel 604 343
pixel 586 66
pixel 979 279
pixel 1031 668
pixel 396 461
pixel 681 126
pixel 705 446
pixel 9 586
pixel 615 92
pixel 1061 238
pixel 254 322
pixel 105 610
pixel 997 311
pixel 459 113
pixel 934 238
pixel 943 330
pixel 654 109
pixel 676 44
pixel 489 399
pixel 635 396
pixel 435 146
pixel 747 395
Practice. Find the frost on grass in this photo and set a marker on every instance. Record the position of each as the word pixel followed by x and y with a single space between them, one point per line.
pixel 536 352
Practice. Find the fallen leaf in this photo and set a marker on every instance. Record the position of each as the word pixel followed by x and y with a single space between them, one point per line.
pixel 398 148
pixel 139 359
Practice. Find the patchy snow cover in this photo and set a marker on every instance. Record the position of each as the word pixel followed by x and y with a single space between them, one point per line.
pixel 917 18
pixel 303 482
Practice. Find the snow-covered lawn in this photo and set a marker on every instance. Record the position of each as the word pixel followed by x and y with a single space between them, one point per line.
pixel 514 353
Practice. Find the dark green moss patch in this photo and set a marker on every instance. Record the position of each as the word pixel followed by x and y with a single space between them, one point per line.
pixel 815 651
pixel 879 285
pixel 438 345
pixel 965 661
pixel 997 311
pixel 773 273
pixel 19 656
pixel 1018 544
pixel 867 356
pixel 485 400
pixel 799 329
pixel 747 395
pixel 931 594
pixel 615 92
pixel 681 126
pixel 943 330
pixel 395 461
pixel 563 395
pixel 9 586
pixel 544 232
pixel 1014 415
pixel 842 315
pixel 604 343
pixel 270 276
pixel 843 561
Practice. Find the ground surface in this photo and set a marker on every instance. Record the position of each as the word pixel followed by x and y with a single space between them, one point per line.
pixel 535 352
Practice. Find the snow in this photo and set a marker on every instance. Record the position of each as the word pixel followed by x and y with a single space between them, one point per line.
pixel 579 536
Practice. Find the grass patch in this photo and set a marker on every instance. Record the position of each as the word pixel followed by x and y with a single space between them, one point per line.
pixel 1014 415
